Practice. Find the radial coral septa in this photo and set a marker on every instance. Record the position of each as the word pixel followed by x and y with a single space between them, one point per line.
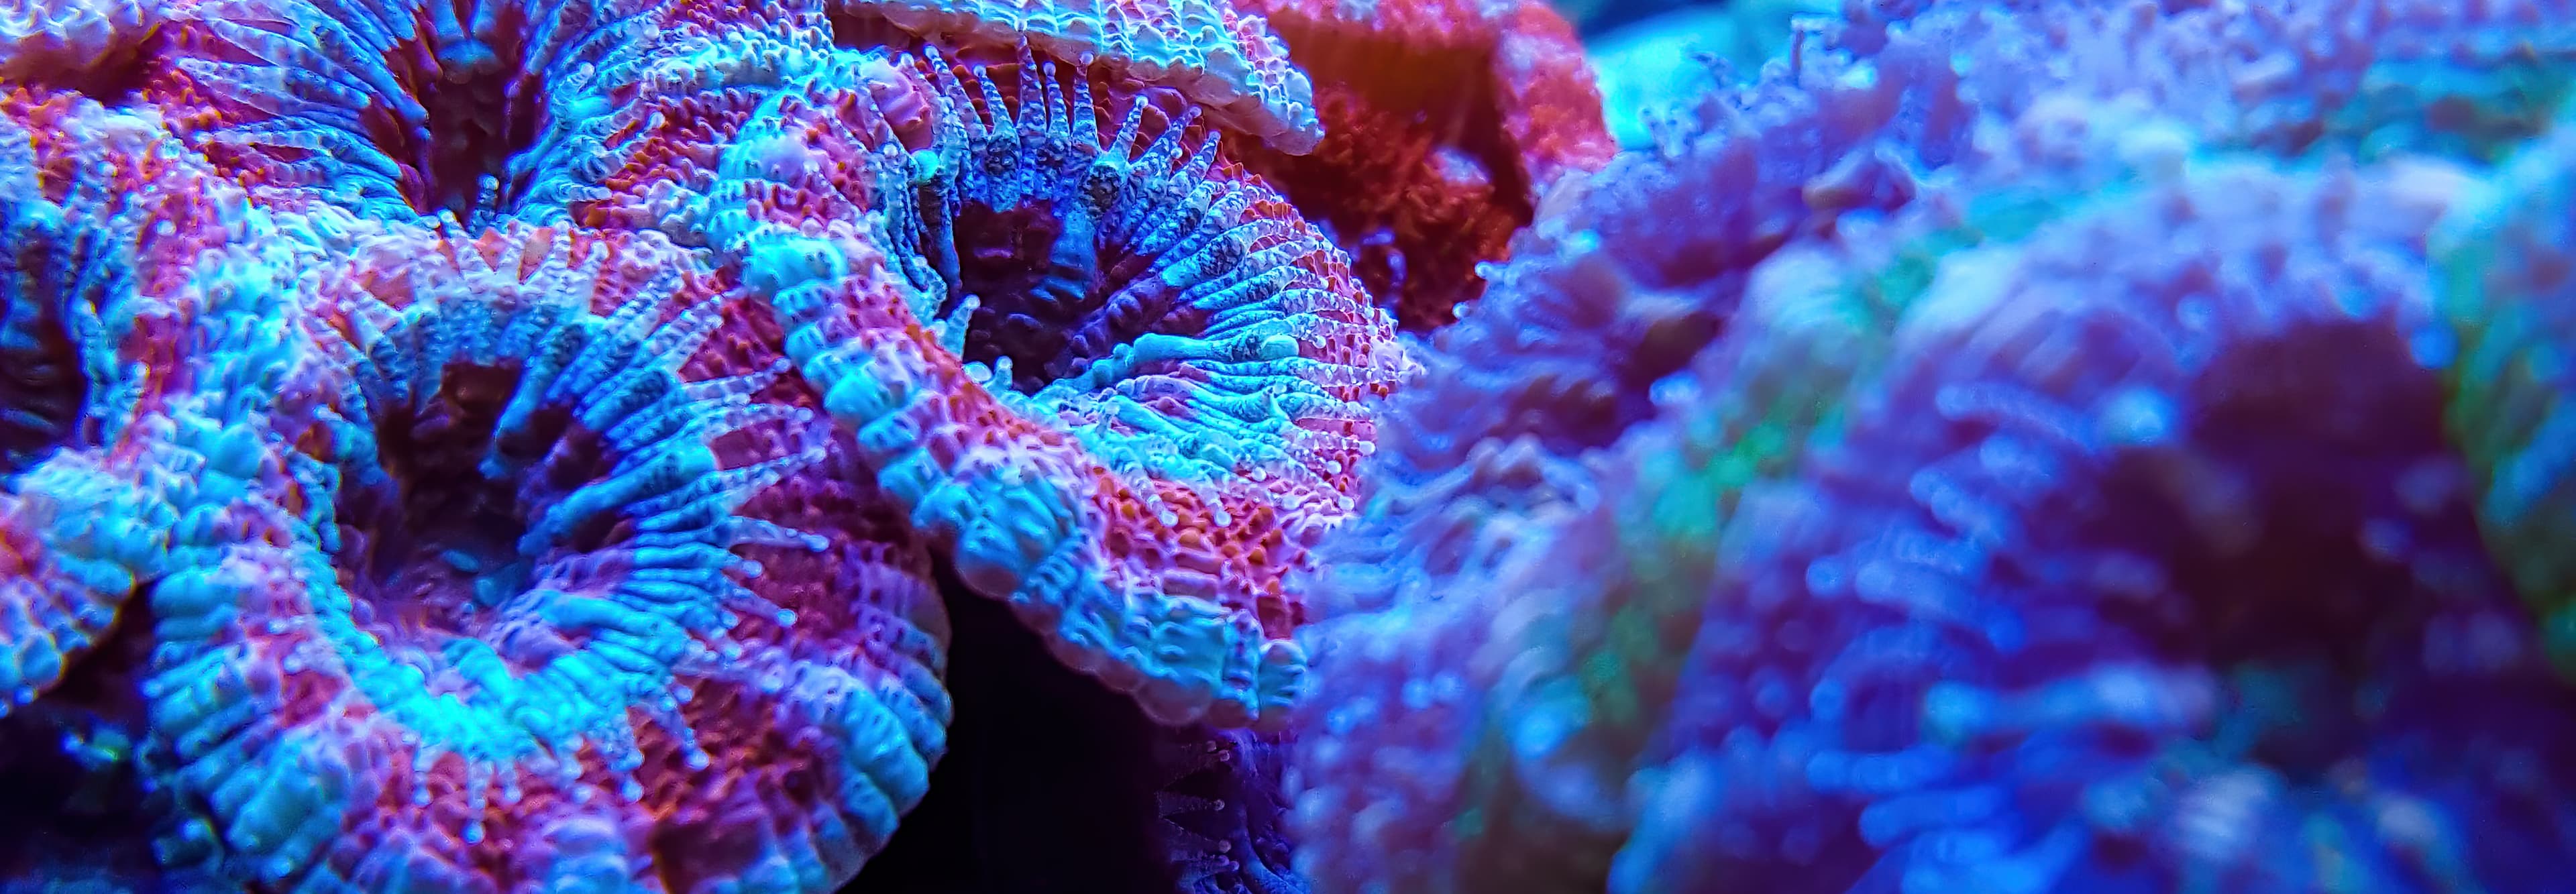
pixel 372 598
pixel 1132 493
pixel 78 539
pixel 1016 530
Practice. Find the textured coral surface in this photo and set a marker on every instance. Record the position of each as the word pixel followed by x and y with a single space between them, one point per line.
pixel 1269 446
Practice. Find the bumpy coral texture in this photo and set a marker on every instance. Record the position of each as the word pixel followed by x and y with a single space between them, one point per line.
pixel 1122 382
pixel 507 564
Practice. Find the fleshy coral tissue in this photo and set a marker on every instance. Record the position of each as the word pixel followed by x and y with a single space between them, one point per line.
pixel 1270 446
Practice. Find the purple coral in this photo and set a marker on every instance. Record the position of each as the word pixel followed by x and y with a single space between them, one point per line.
pixel 2131 568
pixel 1621 620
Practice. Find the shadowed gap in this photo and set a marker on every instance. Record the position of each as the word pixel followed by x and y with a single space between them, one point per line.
pixel 1048 785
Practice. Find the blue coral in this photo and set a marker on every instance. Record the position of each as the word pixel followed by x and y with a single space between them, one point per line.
pixel 515 548
pixel 1168 313
pixel 396 109
pixel 2163 582
pixel 80 509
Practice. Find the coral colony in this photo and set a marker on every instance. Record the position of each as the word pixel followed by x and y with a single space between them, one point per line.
pixel 1272 446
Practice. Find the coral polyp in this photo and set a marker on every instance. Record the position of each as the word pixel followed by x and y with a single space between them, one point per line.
pixel 499 563
pixel 1145 356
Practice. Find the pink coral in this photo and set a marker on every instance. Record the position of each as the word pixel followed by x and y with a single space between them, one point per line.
pixel 511 600
pixel 1122 379
pixel 1144 575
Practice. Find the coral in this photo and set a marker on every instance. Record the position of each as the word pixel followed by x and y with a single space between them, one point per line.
pixel 50 284
pixel 629 156
pixel 93 47
pixel 2292 77
pixel 1528 89
pixel 507 546
pixel 1127 295
pixel 1417 216
pixel 1135 488
pixel 479 594
pixel 397 110
pixel 1224 812
pixel 1224 59
pixel 1632 274
pixel 1610 618
pixel 2502 275
pixel 98 360
pixel 2196 738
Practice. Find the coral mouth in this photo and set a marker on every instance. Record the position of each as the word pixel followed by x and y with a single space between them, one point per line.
pixel 435 551
pixel 1031 289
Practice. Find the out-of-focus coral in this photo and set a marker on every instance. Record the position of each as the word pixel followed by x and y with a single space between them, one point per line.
pixel 98 48
pixel 2502 280
pixel 2143 568
pixel 1649 68
pixel 1728 541
pixel 1225 812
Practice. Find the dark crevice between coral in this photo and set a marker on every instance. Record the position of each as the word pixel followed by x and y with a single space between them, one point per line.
pixel 1048 785
pixel 42 387
pixel 72 791
pixel 114 78
pixel 860 27
pixel 1410 133
pixel 483 108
